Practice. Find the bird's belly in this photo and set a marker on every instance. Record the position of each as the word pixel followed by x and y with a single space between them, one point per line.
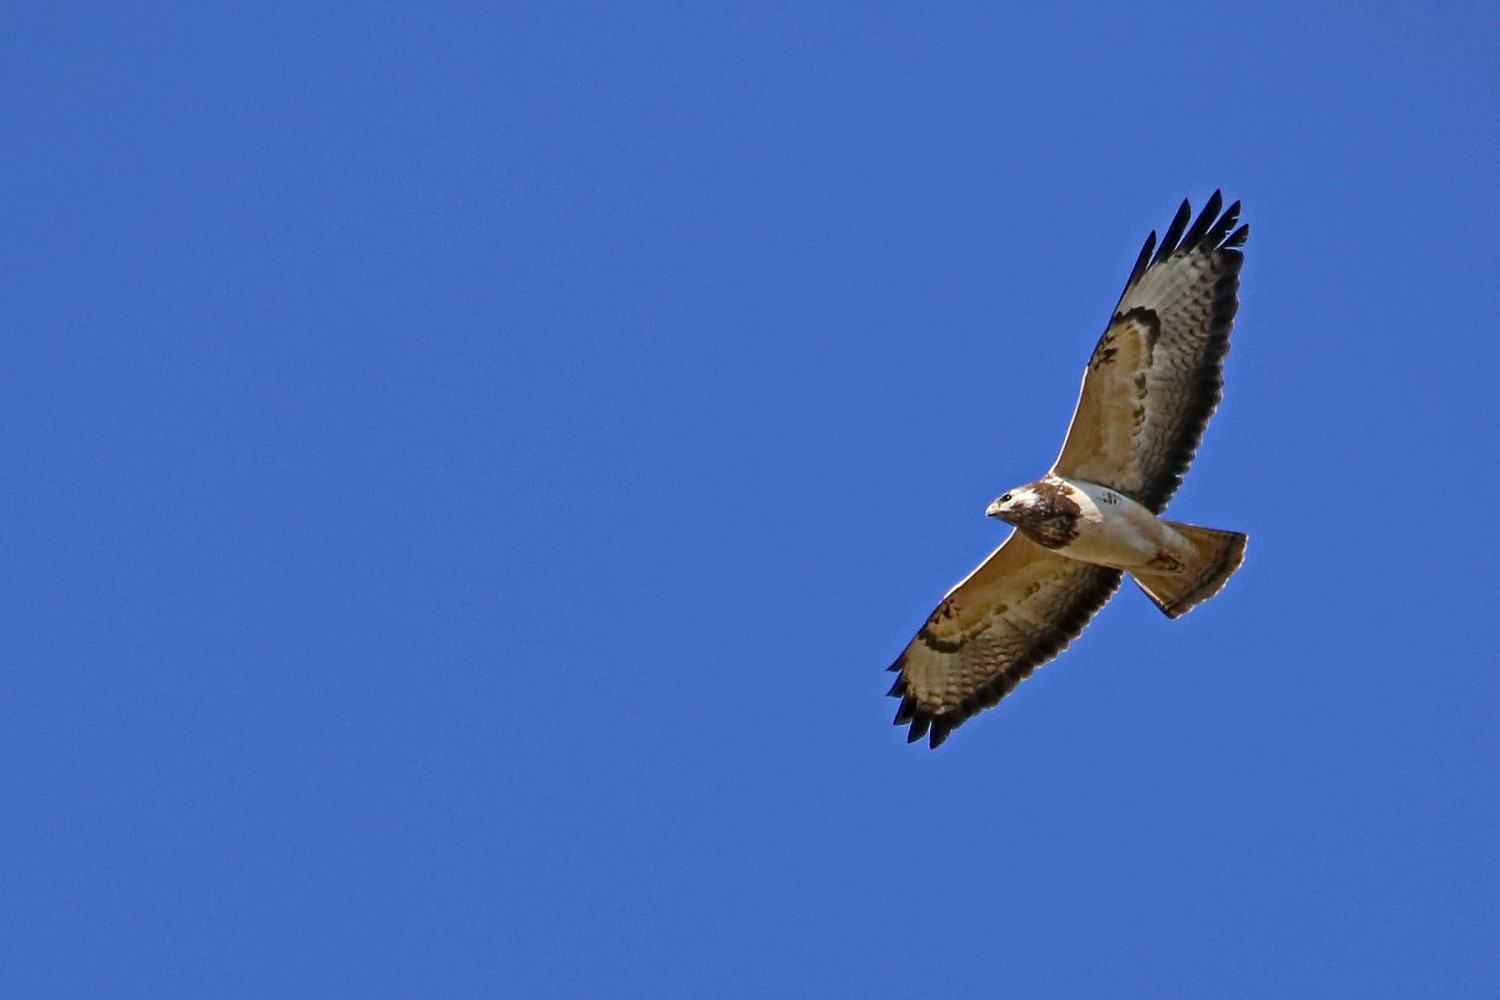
pixel 1114 541
pixel 1114 530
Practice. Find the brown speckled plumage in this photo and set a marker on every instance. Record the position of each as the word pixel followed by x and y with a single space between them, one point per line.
pixel 1052 522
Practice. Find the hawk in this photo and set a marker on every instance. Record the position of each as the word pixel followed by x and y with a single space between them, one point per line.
pixel 1151 385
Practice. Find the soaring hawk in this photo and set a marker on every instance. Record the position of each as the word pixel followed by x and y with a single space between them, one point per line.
pixel 1153 381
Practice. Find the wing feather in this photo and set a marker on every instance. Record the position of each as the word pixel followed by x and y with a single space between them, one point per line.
pixel 1016 611
pixel 1156 374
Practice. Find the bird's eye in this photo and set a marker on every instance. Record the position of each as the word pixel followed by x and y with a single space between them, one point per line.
pixel 1005 499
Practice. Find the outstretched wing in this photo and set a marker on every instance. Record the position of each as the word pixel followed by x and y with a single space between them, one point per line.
pixel 1156 374
pixel 1016 611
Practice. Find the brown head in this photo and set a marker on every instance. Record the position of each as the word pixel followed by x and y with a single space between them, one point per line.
pixel 1043 511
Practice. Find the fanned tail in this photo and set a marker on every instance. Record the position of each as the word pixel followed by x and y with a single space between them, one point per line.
pixel 1217 554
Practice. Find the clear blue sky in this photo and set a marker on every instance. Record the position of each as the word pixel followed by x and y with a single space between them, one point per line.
pixel 468 467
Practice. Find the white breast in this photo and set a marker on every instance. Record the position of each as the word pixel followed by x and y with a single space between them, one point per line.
pixel 1114 530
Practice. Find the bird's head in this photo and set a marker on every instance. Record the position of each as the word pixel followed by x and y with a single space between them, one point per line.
pixel 1044 500
pixel 1017 506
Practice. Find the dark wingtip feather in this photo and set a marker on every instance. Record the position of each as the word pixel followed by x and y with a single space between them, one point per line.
pixel 1145 256
pixel 1206 219
pixel 1142 262
pixel 1210 231
pixel 1214 238
pixel 1169 241
pixel 918 728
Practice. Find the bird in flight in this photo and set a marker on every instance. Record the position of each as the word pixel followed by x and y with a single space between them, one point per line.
pixel 1151 385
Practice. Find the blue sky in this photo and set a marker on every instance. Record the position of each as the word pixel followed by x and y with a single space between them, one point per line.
pixel 470 466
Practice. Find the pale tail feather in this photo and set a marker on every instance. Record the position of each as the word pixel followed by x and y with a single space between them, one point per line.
pixel 1217 555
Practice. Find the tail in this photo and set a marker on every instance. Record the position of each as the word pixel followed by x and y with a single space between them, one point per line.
pixel 1217 554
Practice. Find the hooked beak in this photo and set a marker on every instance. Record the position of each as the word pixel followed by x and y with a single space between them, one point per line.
pixel 993 510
